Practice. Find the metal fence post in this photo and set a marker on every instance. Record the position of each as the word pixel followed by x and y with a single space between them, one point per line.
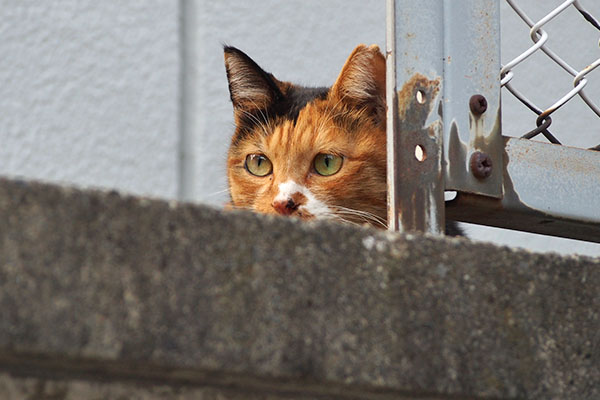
pixel 444 107
pixel 415 126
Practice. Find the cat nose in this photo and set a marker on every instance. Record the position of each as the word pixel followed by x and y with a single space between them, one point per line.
pixel 285 207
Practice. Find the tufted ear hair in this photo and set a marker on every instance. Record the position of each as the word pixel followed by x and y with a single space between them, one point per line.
pixel 361 83
pixel 250 87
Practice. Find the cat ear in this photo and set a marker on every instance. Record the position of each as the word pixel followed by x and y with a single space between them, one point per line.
pixel 361 83
pixel 250 87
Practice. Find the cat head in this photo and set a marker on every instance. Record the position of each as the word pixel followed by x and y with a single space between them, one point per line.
pixel 310 152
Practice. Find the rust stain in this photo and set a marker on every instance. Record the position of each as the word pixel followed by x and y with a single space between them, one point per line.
pixel 419 200
pixel 407 99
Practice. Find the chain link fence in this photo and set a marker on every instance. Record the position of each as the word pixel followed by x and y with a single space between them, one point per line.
pixel 569 22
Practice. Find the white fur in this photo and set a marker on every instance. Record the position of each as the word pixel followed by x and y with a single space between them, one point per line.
pixel 313 205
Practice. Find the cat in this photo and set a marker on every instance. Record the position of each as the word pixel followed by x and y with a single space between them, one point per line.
pixel 310 152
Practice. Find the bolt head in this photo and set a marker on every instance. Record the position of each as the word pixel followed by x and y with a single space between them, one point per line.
pixel 478 104
pixel 481 165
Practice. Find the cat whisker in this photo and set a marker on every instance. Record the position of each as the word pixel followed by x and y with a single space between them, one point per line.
pixel 218 192
pixel 366 219
pixel 264 117
pixel 328 116
pixel 369 215
pixel 234 207
pixel 257 121
pixel 325 118
pixel 264 124
pixel 359 211
pixel 364 215
pixel 345 221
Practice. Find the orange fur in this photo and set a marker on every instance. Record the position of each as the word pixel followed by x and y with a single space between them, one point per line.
pixel 347 121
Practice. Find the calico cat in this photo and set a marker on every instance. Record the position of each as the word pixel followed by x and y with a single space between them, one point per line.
pixel 310 152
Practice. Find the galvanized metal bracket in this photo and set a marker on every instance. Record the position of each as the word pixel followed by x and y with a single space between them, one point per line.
pixel 548 189
pixel 472 117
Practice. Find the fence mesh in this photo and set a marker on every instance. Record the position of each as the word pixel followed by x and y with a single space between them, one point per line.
pixel 550 23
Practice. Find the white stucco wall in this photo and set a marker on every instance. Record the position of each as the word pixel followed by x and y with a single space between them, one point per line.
pixel 90 90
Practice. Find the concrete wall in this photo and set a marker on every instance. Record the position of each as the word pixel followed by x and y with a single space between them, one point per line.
pixel 133 95
pixel 112 297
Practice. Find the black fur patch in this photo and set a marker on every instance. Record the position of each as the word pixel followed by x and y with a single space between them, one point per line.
pixel 298 97
pixel 286 109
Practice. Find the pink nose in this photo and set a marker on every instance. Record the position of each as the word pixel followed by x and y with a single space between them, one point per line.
pixel 285 207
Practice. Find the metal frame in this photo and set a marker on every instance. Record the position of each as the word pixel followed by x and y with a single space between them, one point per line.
pixel 548 188
pixel 443 88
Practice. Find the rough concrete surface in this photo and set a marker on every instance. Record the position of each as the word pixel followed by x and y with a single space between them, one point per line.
pixel 96 287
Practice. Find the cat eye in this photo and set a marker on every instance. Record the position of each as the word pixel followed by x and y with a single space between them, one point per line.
pixel 327 164
pixel 258 165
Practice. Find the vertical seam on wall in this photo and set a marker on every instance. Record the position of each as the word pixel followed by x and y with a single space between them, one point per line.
pixel 184 153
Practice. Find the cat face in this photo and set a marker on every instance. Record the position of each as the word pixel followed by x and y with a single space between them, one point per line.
pixel 310 152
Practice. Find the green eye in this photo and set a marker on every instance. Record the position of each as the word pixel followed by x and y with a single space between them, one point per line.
pixel 327 164
pixel 258 165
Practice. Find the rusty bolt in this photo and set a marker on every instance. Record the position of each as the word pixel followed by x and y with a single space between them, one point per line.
pixel 478 104
pixel 481 165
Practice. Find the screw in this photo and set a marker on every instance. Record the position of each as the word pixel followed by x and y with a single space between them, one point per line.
pixel 478 104
pixel 481 165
